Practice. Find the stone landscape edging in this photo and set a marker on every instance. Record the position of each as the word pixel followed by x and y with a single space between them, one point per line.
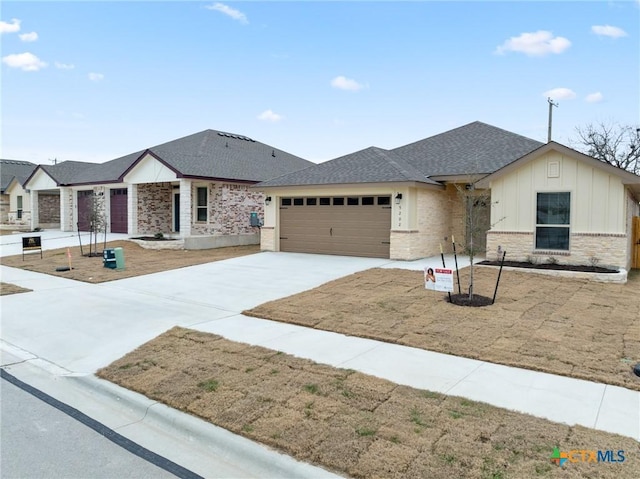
pixel 616 278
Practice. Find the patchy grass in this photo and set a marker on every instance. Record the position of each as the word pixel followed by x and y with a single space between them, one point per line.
pixel 562 326
pixel 8 288
pixel 380 430
pixel 138 261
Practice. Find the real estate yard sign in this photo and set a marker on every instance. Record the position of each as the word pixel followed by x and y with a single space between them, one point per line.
pixel 438 279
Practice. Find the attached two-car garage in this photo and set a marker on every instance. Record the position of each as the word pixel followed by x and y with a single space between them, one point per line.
pixel 340 225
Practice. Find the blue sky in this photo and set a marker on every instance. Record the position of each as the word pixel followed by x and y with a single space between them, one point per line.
pixel 93 81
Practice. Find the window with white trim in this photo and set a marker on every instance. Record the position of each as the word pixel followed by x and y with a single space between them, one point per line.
pixel 201 203
pixel 553 221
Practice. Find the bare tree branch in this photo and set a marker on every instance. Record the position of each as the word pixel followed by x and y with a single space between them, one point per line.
pixel 614 144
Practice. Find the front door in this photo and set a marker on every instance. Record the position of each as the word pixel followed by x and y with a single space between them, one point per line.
pixel 176 212
pixel 118 206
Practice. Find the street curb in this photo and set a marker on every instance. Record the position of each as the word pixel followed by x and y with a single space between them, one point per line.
pixel 255 457
pixel 135 416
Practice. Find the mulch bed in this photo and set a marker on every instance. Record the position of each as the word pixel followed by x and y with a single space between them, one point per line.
pixel 551 266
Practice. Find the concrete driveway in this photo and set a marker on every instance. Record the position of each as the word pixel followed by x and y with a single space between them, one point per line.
pixel 81 327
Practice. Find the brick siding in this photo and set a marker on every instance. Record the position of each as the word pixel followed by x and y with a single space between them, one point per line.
pixel 154 208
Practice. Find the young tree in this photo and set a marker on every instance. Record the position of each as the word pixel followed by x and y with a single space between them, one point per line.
pixel 618 145
pixel 476 204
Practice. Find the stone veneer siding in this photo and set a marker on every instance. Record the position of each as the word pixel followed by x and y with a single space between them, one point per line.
pixel 267 238
pixel 633 209
pixel 230 207
pixel 607 249
pixel 434 213
pixel 66 209
pixel 154 208
pixel 4 208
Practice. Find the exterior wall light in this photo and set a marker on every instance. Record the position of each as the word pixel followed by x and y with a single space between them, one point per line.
pixel 267 200
pixel 398 198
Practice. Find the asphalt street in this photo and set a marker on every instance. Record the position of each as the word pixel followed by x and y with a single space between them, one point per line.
pixel 41 441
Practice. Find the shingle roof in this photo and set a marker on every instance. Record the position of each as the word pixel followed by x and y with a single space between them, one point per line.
pixel 63 173
pixel 108 172
pixel 10 169
pixel 476 148
pixel 371 165
pixel 208 154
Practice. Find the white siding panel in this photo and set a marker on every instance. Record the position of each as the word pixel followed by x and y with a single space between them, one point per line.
pixel 510 203
pixel 524 205
pixel 498 219
pixel 150 170
pixel 599 202
pixel 616 214
pixel 41 181
pixel 597 198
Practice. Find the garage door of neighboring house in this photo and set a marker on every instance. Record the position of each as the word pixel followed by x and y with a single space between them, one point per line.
pixel 84 210
pixel 119 210
pixel 350 226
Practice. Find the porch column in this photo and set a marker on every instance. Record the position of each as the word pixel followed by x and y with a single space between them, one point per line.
pixel 33 200
pixel 66 209
pixel 132 209
pixel 185 208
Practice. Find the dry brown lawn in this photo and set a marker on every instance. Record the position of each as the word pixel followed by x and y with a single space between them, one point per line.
pixel 8 288
pixel 569 327
pixel 351 423
pixel 138 261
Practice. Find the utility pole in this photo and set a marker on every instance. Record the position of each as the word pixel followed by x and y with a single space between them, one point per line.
pixel 551 105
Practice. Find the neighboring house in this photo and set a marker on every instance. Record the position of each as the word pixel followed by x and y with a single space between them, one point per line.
pixel 406 202
pixel 44 185
pixel 15 206
pixel 561 203
pixel 196 187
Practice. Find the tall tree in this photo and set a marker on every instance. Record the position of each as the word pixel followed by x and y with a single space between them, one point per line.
pixel 618 145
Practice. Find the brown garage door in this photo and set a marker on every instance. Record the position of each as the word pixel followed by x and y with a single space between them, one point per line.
pixel 350 226
pixel 118 205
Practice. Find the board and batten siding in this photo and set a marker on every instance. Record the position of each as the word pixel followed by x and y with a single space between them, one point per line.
pixel 599 210
pixel 597 198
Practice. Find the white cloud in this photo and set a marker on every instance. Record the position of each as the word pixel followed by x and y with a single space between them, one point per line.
pixel 608 31
pixel 96 76
pixel 560 94
pixel 64 66
pixel 344 83
pixel 12 27
pixel 536 44
pixel 28 37
pixel 594 97
pixel 27 62
pixel 231 12
pixel 269 115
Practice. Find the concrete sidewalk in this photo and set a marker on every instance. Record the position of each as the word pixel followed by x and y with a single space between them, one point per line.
pixel 67 329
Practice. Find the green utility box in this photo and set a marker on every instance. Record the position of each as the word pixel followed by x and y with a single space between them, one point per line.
pixel 109 258
pixel 119 256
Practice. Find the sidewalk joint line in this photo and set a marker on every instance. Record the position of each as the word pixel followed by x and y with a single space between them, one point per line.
pixel 482 363
pixel 604 391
